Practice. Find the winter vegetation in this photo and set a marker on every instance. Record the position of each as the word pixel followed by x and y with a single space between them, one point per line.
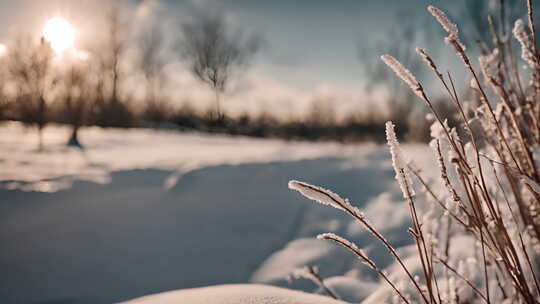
pixel 487 191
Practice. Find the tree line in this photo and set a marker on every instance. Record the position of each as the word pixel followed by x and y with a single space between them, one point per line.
pixel 93 89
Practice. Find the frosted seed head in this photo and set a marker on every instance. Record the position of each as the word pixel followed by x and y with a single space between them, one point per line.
pixel 403 73
pixel 318 194
pixel 450 27
pixel 398 162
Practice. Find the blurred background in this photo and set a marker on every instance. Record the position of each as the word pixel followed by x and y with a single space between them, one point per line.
pixel 301 69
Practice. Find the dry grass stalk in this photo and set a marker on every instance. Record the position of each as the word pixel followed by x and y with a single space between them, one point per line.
pixel 499 209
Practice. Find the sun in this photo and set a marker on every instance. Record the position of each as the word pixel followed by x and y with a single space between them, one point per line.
pixel 60 34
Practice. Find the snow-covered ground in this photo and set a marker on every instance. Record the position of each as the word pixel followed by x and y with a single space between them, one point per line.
pixel 235 294
pixel 142 212
pixel 110 150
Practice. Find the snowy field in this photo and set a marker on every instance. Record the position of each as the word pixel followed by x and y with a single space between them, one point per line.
pixel 140 212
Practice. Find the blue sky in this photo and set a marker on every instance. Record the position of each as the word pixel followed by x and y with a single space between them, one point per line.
pixel 315 41
pixel 308 41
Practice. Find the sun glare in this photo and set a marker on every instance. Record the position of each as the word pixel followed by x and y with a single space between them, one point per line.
pixel 60 34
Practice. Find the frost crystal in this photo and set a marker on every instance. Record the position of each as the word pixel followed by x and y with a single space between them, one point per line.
pixel 398 162
pixel 403 73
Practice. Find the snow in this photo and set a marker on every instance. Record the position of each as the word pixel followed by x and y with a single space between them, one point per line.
pixel 300 252
pixel 235 294
pixel 142 212
pixel 351 288
pixel 109 150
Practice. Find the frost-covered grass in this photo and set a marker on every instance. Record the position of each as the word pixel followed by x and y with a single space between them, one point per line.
pixel 476 227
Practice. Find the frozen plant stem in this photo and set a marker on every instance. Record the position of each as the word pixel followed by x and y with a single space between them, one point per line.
pixel 453 40
pixel 327 197
pixel 363 257
pixel 417 88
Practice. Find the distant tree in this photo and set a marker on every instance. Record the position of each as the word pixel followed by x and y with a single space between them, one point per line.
pixel 116 49
pixel 400 103
pixel 322 113
pixel 396 43
pixel 152 62
pixel 76 97
pixel 213 51
pixel 29 66
pixel 4 99
pixel 503 13
pixel 110 110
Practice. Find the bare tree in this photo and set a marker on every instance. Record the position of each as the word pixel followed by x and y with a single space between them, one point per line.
pixel 400 104
pixel 4 100
pixel 117 48
pixel 213 51
pixel 76 98
pixel 29 66
pixel 395 42
pixel 110 110
pixel 152 63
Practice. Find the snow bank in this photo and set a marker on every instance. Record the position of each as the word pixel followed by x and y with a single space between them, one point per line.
pixel 235 294
pixel 350 288
pixel 298 253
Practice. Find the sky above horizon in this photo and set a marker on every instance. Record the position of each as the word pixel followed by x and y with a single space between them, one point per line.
pixel 312 47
